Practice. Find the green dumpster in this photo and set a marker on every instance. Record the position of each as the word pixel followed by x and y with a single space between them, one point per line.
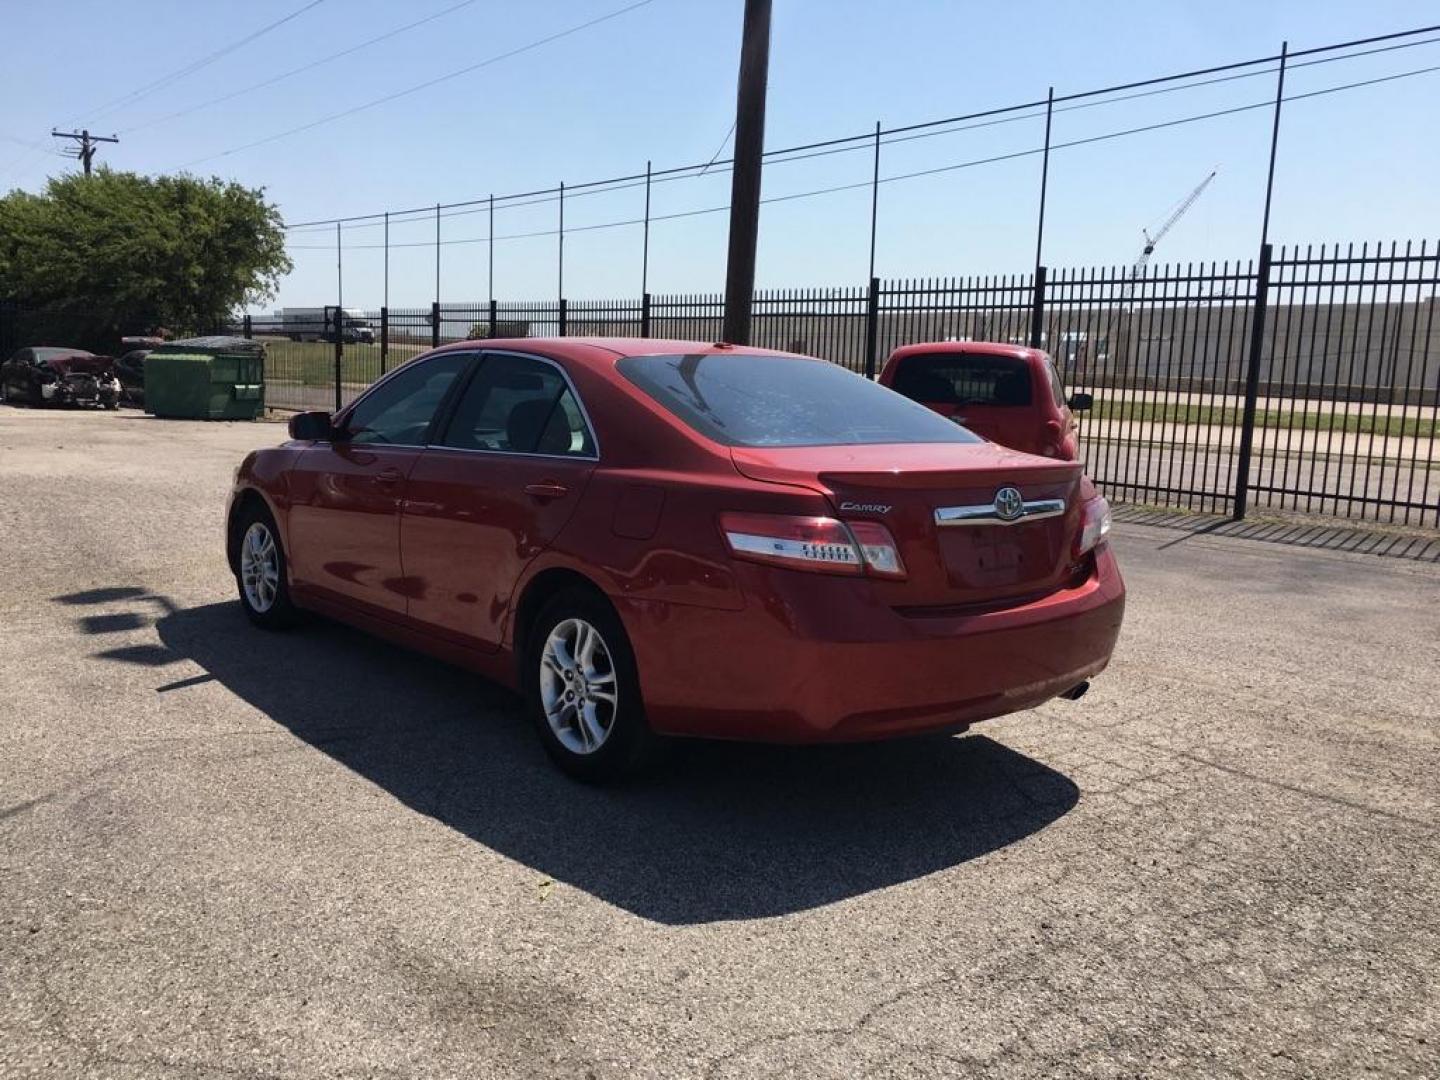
pixel 216 378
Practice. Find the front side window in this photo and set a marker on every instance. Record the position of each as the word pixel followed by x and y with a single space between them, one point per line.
pixel 742 399
pixel 964 379
pixel 519 405
pixel 399 411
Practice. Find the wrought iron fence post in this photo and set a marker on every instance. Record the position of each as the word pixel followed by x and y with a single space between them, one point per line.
pixel 245 326
pixel 332 326
pixel 872 326
pixel 384 338
pixel 645 248
pixel 645 315
pixel 435 324
pixel 562 316
pixel 1252 383
pixel 1037 309
pixel 494 322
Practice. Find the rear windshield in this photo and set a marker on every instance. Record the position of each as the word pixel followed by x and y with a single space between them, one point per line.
pixel 45 352
pixel 964 379
pixel 741 399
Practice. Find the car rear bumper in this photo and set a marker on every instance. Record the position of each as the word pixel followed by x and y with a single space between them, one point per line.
pixel 807 664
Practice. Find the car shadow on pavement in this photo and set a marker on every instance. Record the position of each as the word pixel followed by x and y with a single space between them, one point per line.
pixel 718 831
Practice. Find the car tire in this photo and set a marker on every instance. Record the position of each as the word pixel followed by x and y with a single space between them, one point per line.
pixel 261 571
pixel 582 689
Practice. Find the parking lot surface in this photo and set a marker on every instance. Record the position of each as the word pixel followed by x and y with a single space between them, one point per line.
pixel 231 854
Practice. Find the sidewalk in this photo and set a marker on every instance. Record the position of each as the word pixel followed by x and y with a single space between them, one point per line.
pixel 1418 545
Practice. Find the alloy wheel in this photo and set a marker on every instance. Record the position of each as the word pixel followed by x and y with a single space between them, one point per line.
pixel 259 567
pixel 578 687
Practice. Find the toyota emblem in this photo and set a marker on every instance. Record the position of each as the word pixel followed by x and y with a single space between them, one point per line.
pixel 1009 504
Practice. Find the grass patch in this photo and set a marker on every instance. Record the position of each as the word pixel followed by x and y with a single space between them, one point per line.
pixel 312 363
pixel 1170 412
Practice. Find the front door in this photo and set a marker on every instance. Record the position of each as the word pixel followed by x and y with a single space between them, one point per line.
pixel 344 519
pixel 492 492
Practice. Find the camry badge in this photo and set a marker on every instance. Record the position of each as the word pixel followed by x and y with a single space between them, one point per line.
pixel 1009 504
pixel 866 508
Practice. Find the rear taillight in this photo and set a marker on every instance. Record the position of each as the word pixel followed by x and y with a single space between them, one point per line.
pixel 821 544
pixel 1094 525
pixel 877 547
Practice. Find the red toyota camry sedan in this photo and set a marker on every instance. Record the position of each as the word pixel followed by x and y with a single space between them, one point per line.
pixel 662 538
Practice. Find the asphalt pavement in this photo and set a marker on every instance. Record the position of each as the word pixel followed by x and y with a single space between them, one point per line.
pixel 225 853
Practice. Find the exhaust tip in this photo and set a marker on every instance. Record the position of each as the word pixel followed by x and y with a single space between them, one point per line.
pixel 1076 692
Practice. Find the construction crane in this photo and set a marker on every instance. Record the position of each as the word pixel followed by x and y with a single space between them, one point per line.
pixel 1186 203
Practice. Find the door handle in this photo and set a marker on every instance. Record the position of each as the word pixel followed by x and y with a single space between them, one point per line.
pixel 547 490
pixel 389 477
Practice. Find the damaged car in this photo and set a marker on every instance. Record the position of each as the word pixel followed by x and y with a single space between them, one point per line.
pixel 54 375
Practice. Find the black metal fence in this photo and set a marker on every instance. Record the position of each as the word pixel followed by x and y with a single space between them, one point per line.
pixel 1307 380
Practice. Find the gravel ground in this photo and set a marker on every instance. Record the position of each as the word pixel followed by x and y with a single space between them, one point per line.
pixel 226 853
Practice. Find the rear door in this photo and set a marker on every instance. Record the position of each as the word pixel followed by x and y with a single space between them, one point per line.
pixel 491 492
pixel 344 518
pixel 991 394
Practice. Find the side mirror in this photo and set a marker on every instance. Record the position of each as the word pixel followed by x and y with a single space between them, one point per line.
pixel 1081 402
pixel 311 426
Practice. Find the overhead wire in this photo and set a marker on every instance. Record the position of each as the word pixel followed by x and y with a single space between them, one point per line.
pixel 204 61
pixel 425 85
pixel 905 133
pixel 916 174
pixel 272 80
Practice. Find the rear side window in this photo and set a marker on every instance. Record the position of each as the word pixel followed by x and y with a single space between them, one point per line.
pixel 519 405
pixel 964 379
pixel 741 399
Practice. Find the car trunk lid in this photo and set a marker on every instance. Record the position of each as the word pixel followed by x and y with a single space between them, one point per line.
pixel 982 561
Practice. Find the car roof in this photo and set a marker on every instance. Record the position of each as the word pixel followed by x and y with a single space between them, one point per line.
pixel 982 348
pixel 606 350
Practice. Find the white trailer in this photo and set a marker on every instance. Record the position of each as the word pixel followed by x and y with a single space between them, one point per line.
pixel 310 324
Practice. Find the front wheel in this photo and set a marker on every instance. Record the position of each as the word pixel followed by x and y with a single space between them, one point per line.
pixel 582 690
pixel 260 571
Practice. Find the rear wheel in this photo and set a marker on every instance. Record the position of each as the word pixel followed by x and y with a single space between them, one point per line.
pixel 582 690
pixel 260 571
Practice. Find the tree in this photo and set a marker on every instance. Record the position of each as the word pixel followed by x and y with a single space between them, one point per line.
pixel 118 253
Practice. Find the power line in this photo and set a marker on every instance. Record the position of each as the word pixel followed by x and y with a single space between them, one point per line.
pixel 719 149
pixel 954 167
pixel 783 156
pixel 415 89
pixel 302 68
pixel 924 129
pixel 189 69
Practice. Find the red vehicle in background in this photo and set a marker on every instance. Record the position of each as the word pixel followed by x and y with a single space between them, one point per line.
pixel 1006 393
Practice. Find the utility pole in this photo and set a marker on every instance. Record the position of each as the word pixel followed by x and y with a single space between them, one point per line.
pixel 745 177
pixel 86 150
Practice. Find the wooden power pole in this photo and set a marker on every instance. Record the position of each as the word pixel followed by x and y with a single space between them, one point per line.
pixel 86 150
pixel 745 177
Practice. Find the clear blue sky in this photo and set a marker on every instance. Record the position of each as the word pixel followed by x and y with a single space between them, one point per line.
pixel 659 83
